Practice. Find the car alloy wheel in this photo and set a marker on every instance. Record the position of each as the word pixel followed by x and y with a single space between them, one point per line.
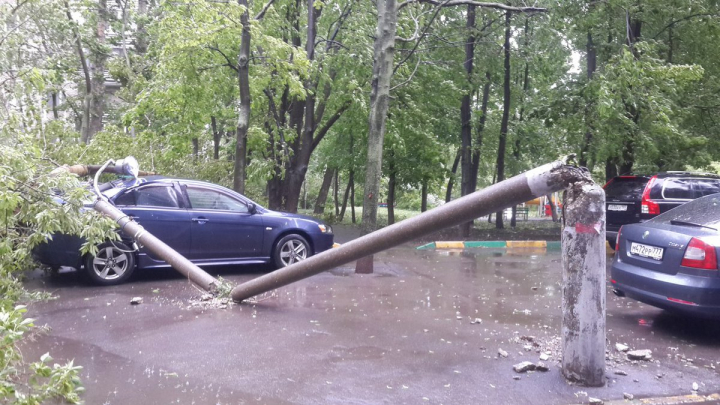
pixel 113 263
pixel 291 249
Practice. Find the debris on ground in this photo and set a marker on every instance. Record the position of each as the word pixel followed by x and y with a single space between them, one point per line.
pixel 627 396
pixel 502 353
pixel 695 386
pixel 620 372
pixel 476 320
pixel 540 366
pixel 621 347
pixel 595 401
pixel 645 354
pixel 136 301
pixel 524 366
pixel 206 297
pixel 544 357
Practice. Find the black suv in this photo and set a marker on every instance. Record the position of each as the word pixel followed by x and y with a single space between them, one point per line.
pixel 632 199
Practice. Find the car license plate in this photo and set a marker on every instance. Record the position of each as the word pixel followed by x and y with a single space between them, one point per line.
pixel 616 207
pixel 652 252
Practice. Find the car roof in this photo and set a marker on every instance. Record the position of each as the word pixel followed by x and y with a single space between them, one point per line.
pixel 663 175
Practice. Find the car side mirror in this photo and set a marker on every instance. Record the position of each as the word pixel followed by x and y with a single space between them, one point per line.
pixel 252 208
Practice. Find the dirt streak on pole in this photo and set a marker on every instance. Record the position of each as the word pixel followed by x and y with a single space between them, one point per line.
pixel 134 230
pixel 524 187
pixel 583 294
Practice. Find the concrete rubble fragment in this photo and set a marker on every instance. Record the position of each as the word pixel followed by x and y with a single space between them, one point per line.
pixel 639 354
pixel 540 366
pixel 544 357
pixel 627 396
pixel 524 366
pixel 502 353
pixel 621 347
pixel 136 301
pixel 620 372
pixel 695 386
pixel 595 401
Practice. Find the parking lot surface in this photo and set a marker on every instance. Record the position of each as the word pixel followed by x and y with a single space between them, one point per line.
pixel 425 327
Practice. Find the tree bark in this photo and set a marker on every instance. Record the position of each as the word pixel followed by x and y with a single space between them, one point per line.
pixel 345 196
pixel 480 133
pixel 243 123
pixel 423 196
pixel 324 188
pixel 384 53
pixel 392 178
pixel 505 116
pixel 216 138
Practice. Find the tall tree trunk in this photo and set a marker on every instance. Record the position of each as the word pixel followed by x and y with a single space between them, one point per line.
pixel 216 138
pixel 352 196
pixel 591 66
pixel 295 174
pixel 384 53
pixel 243 123
pixel 345 196
pixel 196 147
pixel 480 133
pixel 141 40
pixel 610 169
pixel 466 117
pixel 97 101
pixel 505 116
pixel 392 178
pixel 85 122
pixel 423 196
pixel 451 181
pixel 54 101
pixel 324 188
pixel 336 193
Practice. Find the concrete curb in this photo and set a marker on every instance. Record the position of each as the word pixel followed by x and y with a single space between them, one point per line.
pixel 509 244
pixel 682 399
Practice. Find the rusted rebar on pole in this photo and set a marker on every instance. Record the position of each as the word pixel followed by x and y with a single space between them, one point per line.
pixel 524 187
pixel 583 294
pixel 135 231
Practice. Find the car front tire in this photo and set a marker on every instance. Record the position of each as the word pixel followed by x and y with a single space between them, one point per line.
pixel 113 264
pixel 291 249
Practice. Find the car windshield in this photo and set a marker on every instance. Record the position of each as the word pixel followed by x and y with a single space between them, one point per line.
pixel 703 211
pixel 626 188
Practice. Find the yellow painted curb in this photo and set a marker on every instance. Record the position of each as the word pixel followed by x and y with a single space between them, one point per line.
pixel 526 244
pixel 450 245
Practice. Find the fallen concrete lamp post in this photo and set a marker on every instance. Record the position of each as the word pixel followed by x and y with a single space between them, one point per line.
pixel 132 229
pixel 583 301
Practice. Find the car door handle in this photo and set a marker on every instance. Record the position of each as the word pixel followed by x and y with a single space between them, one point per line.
pixel 200 220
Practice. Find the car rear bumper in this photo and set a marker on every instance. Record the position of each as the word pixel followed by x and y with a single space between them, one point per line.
pixel 701 294
pixel 62 250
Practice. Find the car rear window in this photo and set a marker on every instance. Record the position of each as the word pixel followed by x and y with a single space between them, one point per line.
pixel 703 211
pixel 626 188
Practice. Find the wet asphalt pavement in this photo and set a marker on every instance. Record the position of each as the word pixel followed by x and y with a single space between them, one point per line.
pixel 424 328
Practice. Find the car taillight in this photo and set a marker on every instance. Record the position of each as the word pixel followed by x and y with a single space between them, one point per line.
pixel 700 255
pixel 617 240
pixel 647 206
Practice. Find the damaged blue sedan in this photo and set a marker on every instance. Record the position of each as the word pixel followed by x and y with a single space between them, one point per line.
pixel 206 223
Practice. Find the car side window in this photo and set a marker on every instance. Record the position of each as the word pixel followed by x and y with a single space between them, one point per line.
pixel 202 198
pixel 150 196
pixel 680 189
pixel 705 187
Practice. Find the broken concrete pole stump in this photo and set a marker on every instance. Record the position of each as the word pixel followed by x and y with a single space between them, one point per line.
pixel 583 293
